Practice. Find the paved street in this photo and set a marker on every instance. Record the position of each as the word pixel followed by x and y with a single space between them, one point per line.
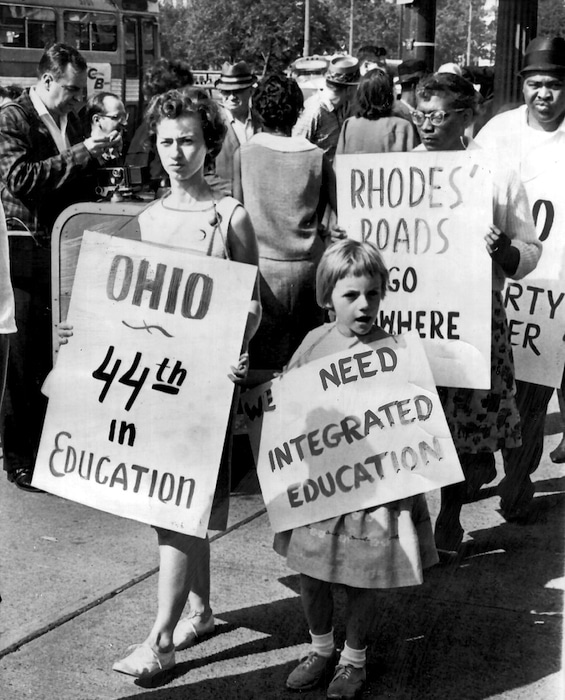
pixel 79 587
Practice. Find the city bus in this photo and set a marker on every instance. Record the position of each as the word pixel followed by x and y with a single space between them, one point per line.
pixel 118 39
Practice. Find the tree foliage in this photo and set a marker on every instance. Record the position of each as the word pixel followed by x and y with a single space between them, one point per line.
pixel 270 35
pixel 452 32
pixel 551 18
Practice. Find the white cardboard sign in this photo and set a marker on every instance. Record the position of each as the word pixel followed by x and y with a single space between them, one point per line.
pixel 140 397
pixel 350 431
pixel 428 214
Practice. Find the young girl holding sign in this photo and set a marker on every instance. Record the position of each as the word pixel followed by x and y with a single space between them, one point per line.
pixel 387 546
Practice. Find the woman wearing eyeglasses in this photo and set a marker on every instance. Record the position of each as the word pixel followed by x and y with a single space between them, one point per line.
pixel 481 421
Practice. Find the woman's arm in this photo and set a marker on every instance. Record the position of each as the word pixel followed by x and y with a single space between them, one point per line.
pixel 513 216
pixel 243 248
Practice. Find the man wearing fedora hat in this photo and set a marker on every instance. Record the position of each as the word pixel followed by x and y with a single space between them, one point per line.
pixel 543 75
pixel 531 139
pixel 235 85
pixel 325 111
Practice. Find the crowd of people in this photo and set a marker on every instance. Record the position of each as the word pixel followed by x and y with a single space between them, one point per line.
pixel 256 175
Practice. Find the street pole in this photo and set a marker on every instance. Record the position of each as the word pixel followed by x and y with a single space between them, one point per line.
pixel 419 31
pixel 306 50
pixel 516 27
pixel 469 33
pixel 351 27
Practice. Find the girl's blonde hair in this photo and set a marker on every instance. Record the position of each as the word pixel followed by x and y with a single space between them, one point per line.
pixel 348 258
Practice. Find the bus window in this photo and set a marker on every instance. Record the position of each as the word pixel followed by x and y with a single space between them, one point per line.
pixel 149 48
pixel 104 33
pixel 131 55
pixel 91 31
pixel 27 27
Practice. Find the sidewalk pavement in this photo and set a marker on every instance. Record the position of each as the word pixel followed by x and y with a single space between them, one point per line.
pixel 79 587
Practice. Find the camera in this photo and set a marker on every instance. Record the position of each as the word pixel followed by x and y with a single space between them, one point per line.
pixel 121 180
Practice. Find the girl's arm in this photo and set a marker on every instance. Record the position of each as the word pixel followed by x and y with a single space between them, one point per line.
pixel 243 249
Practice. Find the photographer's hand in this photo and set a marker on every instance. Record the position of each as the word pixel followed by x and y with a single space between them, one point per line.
pixel 96 145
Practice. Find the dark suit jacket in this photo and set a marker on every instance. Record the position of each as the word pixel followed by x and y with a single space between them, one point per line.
pixel 224 160
pixel 38 182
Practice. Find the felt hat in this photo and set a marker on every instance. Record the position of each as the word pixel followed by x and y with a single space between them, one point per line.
pixel 544 53
pixel 343 70
pixel 235 76
pixel 411 70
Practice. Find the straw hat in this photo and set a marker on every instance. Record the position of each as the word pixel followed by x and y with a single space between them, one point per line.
pixel 343 70
pixel 235 77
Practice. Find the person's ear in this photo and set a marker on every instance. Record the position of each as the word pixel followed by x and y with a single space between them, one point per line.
pixel 47 79
pixel 468 117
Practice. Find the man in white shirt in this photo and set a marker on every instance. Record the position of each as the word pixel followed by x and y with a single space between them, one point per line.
pixel 531 138
pixel 325 111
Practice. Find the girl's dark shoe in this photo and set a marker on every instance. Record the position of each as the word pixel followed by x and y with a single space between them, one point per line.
pixel 347 683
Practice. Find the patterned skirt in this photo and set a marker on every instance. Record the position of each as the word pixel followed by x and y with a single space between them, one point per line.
pixel 383 547
pixel 484 420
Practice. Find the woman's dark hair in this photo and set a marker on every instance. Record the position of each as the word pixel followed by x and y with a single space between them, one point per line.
pixel 374 97
pixel 164 75
pixel 278 101
pixel 176 103
pixel 459 90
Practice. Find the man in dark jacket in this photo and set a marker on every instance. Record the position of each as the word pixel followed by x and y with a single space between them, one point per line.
pixel 44 160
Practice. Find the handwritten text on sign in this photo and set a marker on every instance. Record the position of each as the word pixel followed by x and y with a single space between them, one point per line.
pixel 350 431
pixel 535 305
pixel 428 214
pixel 140 398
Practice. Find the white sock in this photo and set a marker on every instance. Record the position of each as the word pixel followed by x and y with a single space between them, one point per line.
pixel 353 657
pixel 323 644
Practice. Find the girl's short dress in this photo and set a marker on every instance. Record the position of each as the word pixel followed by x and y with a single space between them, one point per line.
pixel 387 546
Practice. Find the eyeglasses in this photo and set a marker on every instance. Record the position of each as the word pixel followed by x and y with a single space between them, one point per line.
pixel 437 117
pixel 118 118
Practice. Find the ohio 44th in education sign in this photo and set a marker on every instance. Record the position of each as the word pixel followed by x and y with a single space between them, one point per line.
pixel 140 397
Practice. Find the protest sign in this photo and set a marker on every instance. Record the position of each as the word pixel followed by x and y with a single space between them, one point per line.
pixel 350 431
pixel 140 398
pixel 428 214
pixel 535 305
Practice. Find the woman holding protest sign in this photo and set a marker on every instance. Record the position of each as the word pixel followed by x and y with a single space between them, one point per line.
pixel 481 421
pixel 381 547
pixel 189 130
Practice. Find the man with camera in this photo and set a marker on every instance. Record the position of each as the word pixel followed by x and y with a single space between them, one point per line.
pixel 44 160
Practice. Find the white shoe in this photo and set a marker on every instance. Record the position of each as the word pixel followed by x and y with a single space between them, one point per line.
pixel 192 629
pixel 144 662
